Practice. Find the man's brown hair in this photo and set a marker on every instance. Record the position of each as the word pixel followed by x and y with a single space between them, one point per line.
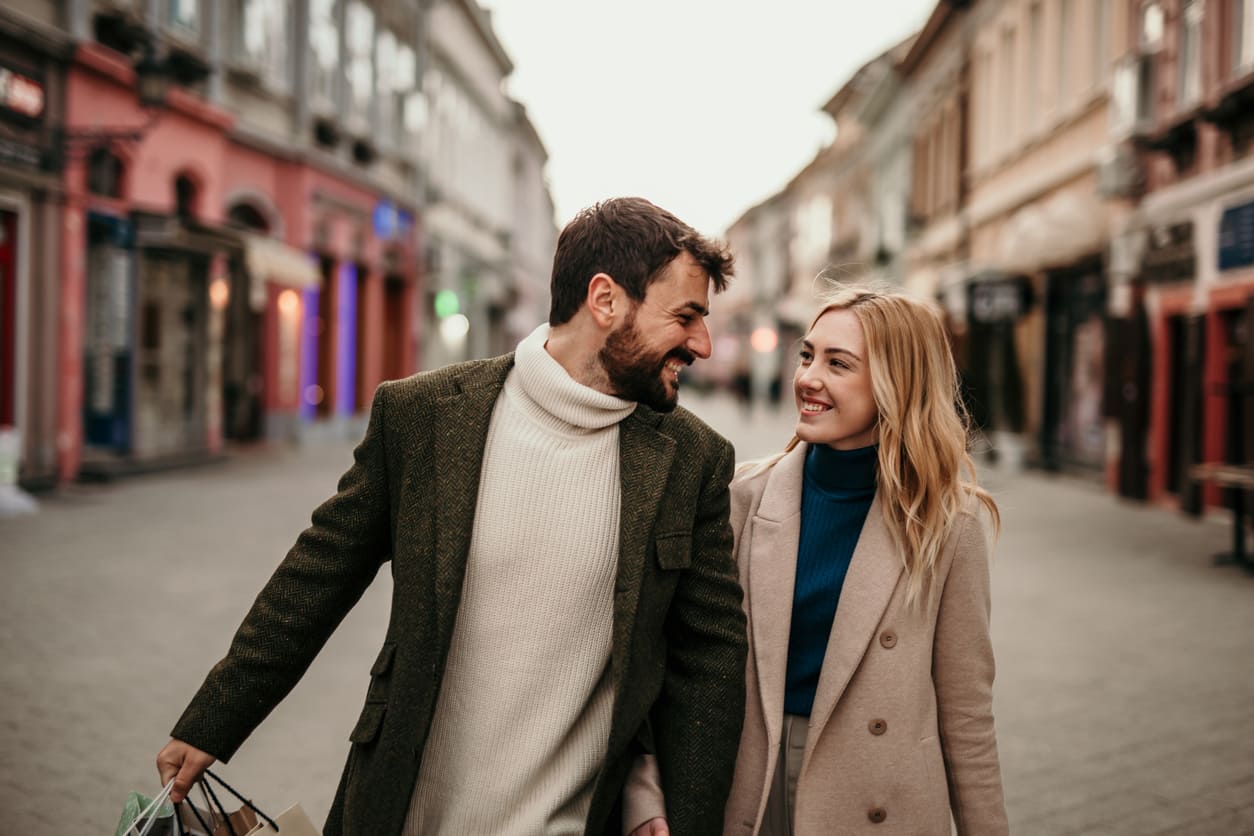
pixel 632 241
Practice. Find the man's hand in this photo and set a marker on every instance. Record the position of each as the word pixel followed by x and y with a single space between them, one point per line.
pixel 653 827
pixel 185 764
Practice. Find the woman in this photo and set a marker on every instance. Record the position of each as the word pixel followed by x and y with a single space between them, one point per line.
pixel 864 559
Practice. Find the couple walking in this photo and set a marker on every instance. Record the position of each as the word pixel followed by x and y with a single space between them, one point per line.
pixel 591 632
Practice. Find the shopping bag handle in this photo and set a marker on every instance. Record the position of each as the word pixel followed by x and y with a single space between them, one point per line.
pixel 237 794
pixel 151 809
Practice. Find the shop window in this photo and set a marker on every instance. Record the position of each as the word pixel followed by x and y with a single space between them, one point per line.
pixel 1101 39
pixel 1242 36
pixel 260 38
pixel 104 173
pixel 1150 43
pixel 186 196
pixel 249 217
pixel 184 15
pixel 359 38
pixel 1190 88
pixel 324 44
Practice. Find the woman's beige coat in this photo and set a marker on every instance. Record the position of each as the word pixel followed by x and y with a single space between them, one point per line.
pixel 902 729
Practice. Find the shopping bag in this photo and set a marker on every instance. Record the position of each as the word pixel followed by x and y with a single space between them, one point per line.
pixel 211 819
pixel 140 814
pixel 293 821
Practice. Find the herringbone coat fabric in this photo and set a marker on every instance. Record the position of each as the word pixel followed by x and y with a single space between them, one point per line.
pixel 679 642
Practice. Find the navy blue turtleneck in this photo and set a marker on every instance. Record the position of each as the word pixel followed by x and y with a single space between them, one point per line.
pixel 835 498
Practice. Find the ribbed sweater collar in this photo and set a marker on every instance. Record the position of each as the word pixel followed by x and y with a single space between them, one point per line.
pixel 842 473
pixel 554 399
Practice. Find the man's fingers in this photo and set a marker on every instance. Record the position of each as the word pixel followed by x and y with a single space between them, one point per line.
pixel 185 764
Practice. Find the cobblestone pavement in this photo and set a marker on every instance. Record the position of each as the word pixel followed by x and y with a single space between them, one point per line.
pixel 1124 699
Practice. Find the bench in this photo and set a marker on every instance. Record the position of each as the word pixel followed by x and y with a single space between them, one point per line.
pixel 1239 478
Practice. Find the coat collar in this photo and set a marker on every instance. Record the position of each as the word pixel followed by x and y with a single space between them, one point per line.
pixel 461 422
pixel 873 574
pixel 644 466
pixel 874 571
pixel 774 537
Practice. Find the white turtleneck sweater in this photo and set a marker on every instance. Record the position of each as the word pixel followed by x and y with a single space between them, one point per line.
pixel 523 717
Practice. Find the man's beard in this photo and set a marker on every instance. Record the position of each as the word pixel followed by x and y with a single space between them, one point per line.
pixel 634 373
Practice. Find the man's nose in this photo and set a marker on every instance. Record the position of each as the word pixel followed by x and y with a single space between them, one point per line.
pixel 699 343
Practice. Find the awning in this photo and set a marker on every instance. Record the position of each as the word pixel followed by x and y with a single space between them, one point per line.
pixel 1053 232
pixel 270 260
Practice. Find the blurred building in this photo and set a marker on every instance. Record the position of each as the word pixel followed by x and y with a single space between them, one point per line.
pixel 33 64
pixel 533 237
pixel 488 211
pixel 1039 216
pixel 1184 91
pixel 215 217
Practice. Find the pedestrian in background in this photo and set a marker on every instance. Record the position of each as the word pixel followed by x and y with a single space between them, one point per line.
pixel 564 591
pixel 864 556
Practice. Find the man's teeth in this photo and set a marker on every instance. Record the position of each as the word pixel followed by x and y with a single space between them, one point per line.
pixel 675 366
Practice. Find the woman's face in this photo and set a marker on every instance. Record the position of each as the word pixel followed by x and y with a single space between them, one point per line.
pixel 832 385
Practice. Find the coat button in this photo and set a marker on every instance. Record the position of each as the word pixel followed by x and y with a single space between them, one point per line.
pixel 876 815
pixel 878 727
pixel 889 639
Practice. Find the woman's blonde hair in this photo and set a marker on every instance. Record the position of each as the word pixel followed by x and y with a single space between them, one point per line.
pixel 926 476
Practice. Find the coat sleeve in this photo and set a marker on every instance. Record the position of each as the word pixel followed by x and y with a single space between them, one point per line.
pixel 322 577
pixel 699 715
pixel 963 671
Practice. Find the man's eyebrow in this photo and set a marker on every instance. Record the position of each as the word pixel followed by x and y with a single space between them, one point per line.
pixel 832 350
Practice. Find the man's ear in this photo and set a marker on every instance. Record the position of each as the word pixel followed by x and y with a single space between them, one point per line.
pixel 603 299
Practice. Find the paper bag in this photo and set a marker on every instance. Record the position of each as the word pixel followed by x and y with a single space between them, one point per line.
pixel 293 821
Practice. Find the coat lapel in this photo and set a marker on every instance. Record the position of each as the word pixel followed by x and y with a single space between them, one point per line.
pixel 461 434
pixel 873 573
pixel 774 536
pixel 644 466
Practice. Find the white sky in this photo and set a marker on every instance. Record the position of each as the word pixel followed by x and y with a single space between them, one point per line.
pixel 703 107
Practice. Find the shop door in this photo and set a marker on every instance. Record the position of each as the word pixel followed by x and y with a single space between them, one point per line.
pixel 324 388
pixel 8 318
pixel 1128 397
pixel 170 402
pixel 395 340
pixel 1184 399
pixel 241 361
pixel 1073 430
pixel 107 337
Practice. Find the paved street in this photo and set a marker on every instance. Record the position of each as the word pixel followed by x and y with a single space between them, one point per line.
pixel 1125 694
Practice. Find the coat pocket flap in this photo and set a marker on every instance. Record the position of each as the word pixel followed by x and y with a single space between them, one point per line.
pixel 384 663
pixel 367 728
pixel 674 552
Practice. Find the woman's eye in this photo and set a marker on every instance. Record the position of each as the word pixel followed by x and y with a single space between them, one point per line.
pixel 805 356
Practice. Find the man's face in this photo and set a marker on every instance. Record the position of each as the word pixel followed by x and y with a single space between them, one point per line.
pixel 660 335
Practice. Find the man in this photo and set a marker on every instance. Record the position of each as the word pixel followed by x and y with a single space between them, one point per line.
pixel 565 597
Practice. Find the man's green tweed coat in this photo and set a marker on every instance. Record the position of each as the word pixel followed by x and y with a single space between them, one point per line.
pixel 678 630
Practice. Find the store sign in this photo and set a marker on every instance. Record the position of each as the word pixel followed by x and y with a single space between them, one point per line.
pixel 390 221
pixel 1236 237
pixel 21 96
pixel 1000 301
pixel 1170 254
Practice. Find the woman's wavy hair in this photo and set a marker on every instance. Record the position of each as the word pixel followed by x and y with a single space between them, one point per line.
pixel 926 476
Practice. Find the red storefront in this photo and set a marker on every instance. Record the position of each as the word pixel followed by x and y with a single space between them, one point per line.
pixel 329 268
pixel 213 289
